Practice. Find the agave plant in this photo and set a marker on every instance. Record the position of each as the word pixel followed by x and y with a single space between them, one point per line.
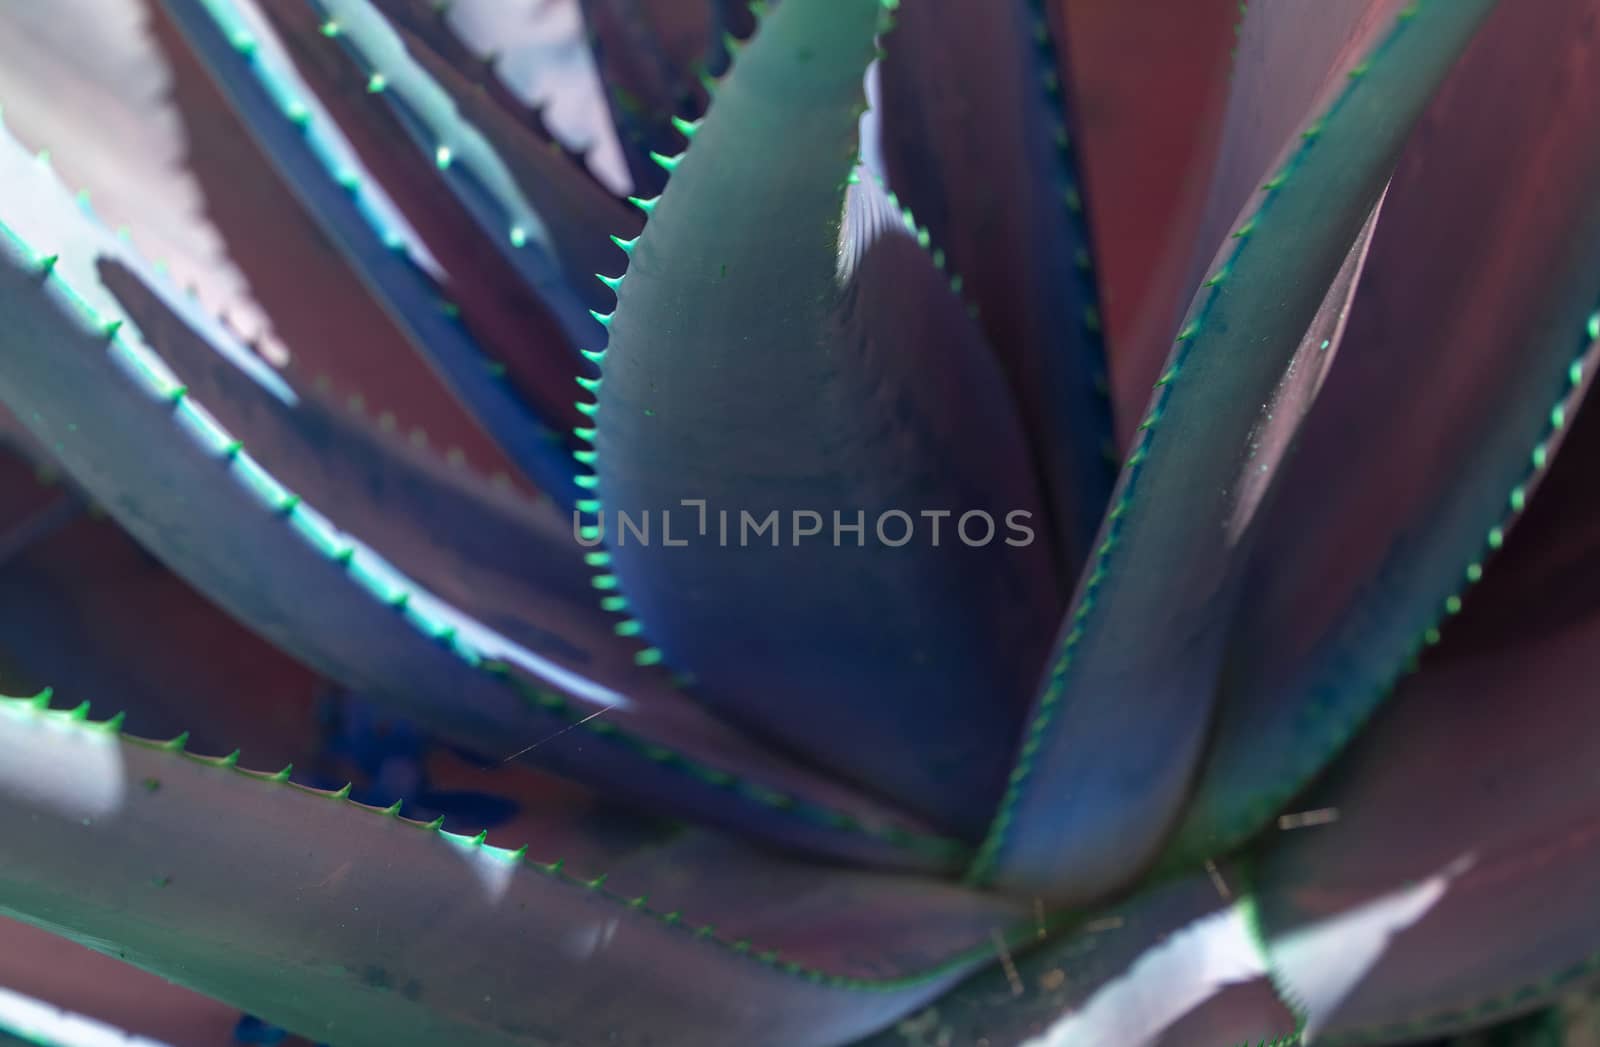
pixel 1042 547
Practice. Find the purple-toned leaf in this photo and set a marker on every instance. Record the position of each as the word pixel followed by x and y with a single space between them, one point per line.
pixel 85 611
pixel 90 386
pixel 1455 884
pixel 49 986
pixel 1466 355
pixel 1120 726
pixel 541 54
pixel 783 345
pixel 1289 61
pixel 366 929
pixel 1175 966
pixel 1148 98
pixel 963 83
pixel 87 80
pixel 651 55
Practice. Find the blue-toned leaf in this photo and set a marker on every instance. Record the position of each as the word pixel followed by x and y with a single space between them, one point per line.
pixel 91 388
pixel 366 929
pixel 1466 356
pixel 964 83
pixel 373 239
pixel 777 353
pixel 1120 723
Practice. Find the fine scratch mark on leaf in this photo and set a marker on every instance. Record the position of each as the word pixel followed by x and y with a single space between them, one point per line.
pixel 1217 881
pixel 1307 819
pixel 558 734
pixel 1005 961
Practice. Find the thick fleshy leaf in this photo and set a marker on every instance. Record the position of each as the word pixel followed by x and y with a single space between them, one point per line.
pixel 51 990
pixel 1119 729
pixel 1476 830
pixel 1545 577
pixel 1466 354
pixel 1148 98
pixel 36 505
pixel 345 343
pixel 511 563
pixel 1456 885
pixel 651 55
pixel 965 82
pixel 434 129
pixel 88 80
pixel 522 287
pixel 533 64
pixel 89 386
pixel 85 611
pixel 541 53
pixel 1289 60
pixel 365 929
pixel 299 139
pixel 777 353
pixel 1175 966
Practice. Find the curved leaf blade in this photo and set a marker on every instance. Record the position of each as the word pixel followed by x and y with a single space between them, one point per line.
pixel 1176 966
pixel 1469 813
pixel 521 286
pixel 1467 354
pixel 345 344
pixel 1117 733
pixel 533 209
pixel 540 54
pixel 800 353
pixel 368 929
pixel 114 414
pixel 651 55
pixel 67 983
pixel 65 623
pixel 1148 96
pixel 965 82
pixel 507 561
pixel 306 149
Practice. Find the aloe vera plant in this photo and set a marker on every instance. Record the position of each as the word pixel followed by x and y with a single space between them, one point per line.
pixel 1243 696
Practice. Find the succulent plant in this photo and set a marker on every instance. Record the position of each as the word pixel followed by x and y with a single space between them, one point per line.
pixel 1097 592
